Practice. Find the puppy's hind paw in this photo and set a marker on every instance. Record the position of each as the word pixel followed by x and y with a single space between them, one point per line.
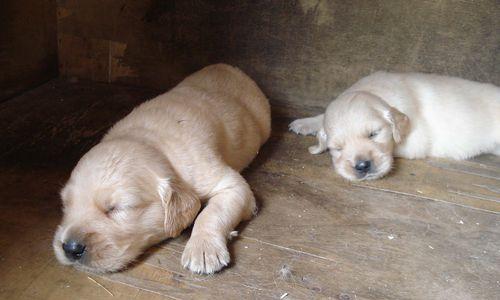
pixel 205 254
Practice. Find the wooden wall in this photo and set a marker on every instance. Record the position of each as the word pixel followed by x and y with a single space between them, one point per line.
pixel 299 51
pixel 28 45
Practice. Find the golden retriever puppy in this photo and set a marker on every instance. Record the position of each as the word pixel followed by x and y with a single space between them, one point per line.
pixel 149 176
pixel 410 115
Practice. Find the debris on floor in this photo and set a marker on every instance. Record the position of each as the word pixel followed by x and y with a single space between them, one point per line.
pixel 100 285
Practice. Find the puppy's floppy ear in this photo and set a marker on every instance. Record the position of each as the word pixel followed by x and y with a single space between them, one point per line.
pixel 400 123
pixel 321 146
pixel 180 203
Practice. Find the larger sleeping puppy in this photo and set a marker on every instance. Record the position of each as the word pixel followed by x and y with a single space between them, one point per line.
pixel 410 115
pixel 148 177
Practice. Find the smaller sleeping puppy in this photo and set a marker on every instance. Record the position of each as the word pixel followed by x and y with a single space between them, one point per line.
pixel 409 115
pixel 148 177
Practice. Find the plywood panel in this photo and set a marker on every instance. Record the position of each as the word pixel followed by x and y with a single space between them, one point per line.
pixel 303 51
pixel 28 45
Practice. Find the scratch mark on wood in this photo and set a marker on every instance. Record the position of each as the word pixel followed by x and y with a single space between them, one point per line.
pixel 424 197
pixel 487 187
pixel 497 200
pixel 448 167
pixel 288 249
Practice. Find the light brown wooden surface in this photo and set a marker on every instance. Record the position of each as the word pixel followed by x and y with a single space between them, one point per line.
pixel 430 230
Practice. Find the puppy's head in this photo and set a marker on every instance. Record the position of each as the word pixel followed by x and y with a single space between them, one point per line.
pixel 122 197
pixel 360 131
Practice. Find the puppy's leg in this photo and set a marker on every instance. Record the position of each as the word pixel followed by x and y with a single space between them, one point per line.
pixel 321 146
pixel 307 126
pixel 232 201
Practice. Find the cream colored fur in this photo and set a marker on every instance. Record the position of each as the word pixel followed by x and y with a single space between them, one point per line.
pixel 410 115
pixel 148 177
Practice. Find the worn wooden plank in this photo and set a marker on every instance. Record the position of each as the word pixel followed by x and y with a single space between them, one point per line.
pixel 58 122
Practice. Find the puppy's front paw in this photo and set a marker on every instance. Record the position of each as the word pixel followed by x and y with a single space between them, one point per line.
pixel 303 126
pixel 205 254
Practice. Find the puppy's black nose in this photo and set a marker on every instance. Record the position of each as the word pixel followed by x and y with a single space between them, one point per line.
pixel 73 249
pixel 363 166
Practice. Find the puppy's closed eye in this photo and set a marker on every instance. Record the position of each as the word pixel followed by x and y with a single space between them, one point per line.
pixel 110 210
pixel 373 134
pixel 335 148
pixel 115 211
pixel 120 213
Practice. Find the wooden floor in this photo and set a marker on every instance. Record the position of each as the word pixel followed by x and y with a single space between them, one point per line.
pixel 430 230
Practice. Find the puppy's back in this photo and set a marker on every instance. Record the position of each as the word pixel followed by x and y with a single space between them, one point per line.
pixel 459 118
pixel 215 113
pixel 226 79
